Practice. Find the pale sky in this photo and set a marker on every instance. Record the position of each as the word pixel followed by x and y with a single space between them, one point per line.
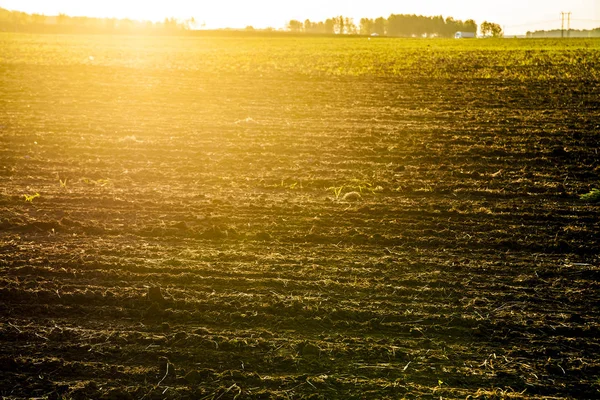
pixel 516 16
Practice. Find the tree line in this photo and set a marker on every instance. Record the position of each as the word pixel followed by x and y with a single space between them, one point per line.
pixel 399 25
pixel 572 33
pixel 17 21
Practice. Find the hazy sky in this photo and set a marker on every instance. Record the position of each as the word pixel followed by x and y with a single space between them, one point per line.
pixel 517 16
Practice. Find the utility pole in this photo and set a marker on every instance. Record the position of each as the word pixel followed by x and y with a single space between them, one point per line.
pixel 562 23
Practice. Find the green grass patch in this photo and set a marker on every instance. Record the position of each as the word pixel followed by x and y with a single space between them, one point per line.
pixel 593 196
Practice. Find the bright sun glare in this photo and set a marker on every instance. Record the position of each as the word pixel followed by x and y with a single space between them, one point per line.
pixel 235 14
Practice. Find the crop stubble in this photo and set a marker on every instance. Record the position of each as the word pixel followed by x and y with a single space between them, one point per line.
pixel 216 169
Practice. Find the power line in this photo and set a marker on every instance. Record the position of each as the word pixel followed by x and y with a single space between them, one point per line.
pixel 531 23
pixel 585 20
pixel 549 22
pixel 562 22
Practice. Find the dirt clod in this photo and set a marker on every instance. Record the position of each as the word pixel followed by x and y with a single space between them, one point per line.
pixel 352 197
pixel 310 349
pixel 154 294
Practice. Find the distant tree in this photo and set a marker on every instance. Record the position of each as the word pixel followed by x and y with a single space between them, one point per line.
pixel 329 26
pixel 451 27
pixel 62 19
pixel 490 29
pixel 349 26
pixel 19 20
pixel 485 28
pixel 169 24
pixel 308 26
pixel 38 18
pixel 496 30
pixel 394 25
pixel 314 27
pixel 190 23
pixel 294 26
pixel 366 26
pixel 470 26
pixel 438 26
pixel 339 25
pixel 379 26
pixel 420 25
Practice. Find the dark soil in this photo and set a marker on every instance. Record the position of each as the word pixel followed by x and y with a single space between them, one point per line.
pixel 193 238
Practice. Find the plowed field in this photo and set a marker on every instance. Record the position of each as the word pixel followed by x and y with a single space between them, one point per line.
pixel 231 217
